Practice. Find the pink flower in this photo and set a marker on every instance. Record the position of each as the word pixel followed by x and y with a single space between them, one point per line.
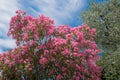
pixel 56 64
pixel 7 61
pixel 25 36
pixel 74 44
pixel 7 53
pixel 46 52
pixel 49 30
pixel 63 68
pixel 77 78
pixel 59 76
pixel 30 69
pixel 36 36
pixel 93 31
pixel 68 36
pixel 75 54
pixel 23 29
pixel 43 60
pixel 65 52
pixel 80 35
pixel 25 48
pixel 76 49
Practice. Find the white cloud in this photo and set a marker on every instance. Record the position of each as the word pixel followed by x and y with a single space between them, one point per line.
pixel 1 51
pixel 61 11
pixel 7 43
pixel 7 10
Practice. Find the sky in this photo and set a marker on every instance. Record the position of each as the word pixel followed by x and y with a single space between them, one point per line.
pixel 61 11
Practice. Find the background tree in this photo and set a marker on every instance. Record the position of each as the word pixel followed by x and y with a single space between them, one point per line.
pixel 105 17
pixel 111 65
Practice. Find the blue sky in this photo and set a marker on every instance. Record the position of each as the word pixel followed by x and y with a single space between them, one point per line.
pixel 61 11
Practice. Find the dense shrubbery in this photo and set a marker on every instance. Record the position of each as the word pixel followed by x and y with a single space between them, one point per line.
pixel 110 63
pixel 105 17
pixel 47 52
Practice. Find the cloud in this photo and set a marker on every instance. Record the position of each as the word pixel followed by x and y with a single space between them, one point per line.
pixel 7 43
pixel 7 9
pixel 1 51
pixel 62 11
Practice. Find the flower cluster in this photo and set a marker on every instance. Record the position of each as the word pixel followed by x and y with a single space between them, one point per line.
pixel 45 51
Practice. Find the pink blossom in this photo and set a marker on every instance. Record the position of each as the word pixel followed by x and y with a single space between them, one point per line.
pixel 77 78
pixel 57 64
pixel 65 52
pixel 30 69
pixel 7 61
pixel 68 36
pixel 76 49
pixel 25 36
pixel 63 68
pixel 43 60
pixel 93 31
pixel 46 52
pixel 59 77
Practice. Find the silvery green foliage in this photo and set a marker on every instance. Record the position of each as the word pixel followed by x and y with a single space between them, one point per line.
pixel 105 17
pixel 110 63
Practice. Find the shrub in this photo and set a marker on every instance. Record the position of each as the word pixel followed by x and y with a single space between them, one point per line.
pixel 110 64
pixel 47 52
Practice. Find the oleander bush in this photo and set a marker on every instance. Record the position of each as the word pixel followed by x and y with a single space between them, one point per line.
pixel 48 52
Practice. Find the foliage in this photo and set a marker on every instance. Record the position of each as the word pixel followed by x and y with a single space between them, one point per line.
pixel 47 52
pixel 105 17
pixel 111 65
